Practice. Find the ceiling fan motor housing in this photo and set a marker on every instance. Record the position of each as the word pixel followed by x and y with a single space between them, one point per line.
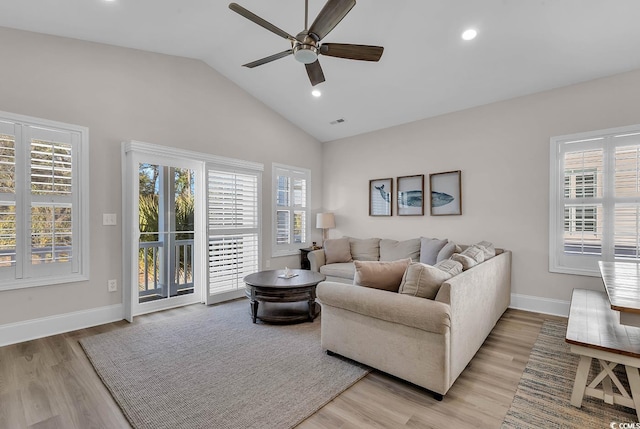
pixel 305 49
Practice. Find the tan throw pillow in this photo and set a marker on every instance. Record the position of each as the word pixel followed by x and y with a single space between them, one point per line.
pixel 337 250
pixel 365 249
pixel 450 266
pixel 423 280
pixel 393 250
pixel 385 275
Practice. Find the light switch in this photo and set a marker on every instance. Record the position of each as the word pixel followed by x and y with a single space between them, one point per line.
pixel 109 219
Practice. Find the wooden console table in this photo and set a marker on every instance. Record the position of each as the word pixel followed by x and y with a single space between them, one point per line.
pixel 622 284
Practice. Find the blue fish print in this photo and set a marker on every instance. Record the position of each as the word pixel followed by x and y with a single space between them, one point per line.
pixel 439 199
pixel 410 198
pixel 385 195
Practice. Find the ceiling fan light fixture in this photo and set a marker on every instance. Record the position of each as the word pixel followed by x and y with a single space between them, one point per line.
pixel 305 54
pixel 316 93
pixel 469 34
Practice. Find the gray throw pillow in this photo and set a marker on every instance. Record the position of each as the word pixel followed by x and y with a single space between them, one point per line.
pixel 429 249
pixel 447 251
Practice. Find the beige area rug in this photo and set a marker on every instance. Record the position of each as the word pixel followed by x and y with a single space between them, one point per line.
pixel 216 369
pixel 544 393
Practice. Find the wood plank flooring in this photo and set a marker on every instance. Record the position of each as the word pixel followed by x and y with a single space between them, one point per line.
pixel 49 383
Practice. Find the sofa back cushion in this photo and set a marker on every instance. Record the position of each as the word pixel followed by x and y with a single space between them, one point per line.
pixel 385 275
pixel 423 280
pixel 337 250
pixel 365 249
pixel 429 249
pixel 393 250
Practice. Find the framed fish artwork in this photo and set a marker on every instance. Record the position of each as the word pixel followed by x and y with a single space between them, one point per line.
pixel 446 193
pixel 380 192
pixel 410 195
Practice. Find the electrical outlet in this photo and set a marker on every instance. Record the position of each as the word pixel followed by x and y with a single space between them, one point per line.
pixel 109 219
pixel 112 285
pixel 268 263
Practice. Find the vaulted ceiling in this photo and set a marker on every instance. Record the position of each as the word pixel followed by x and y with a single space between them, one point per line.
pixel 522 47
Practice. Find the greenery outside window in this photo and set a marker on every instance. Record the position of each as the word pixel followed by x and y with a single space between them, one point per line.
pixel 291 213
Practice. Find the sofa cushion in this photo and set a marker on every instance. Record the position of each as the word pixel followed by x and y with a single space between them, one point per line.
pixel 385 275
pixel 450 266
pixel 337 250
pixel 449 249
pixel 344 270
pixel 429 249
pixel 423 280
pixel 365 249
pixel 393 250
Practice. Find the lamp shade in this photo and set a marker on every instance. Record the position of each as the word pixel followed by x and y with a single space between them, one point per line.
pixel 325 220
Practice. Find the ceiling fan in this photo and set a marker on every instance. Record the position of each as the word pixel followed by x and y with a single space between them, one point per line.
pixel 306 46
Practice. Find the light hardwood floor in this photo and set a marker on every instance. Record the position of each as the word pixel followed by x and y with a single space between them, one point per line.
pixel 49 383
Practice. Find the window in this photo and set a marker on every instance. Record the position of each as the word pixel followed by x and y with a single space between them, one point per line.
pixel 594 200
pixel 291 189
pixel 43 202
pixel 233 215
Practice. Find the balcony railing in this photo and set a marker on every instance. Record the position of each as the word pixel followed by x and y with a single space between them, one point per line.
pixel 151 278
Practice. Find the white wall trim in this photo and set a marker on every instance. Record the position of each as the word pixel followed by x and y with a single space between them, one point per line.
pixel 18 332
pixel 537 304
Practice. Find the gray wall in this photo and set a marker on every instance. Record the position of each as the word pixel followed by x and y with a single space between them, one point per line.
pixel 121 95
pixel 503 152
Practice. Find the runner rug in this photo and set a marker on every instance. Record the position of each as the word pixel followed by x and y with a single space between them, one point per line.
pixel 216 369
pixel 543 398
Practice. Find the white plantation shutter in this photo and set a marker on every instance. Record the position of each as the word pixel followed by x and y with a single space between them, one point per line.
pixel 233 219
pixel 594 200
pixel 291 187
pixel 43 202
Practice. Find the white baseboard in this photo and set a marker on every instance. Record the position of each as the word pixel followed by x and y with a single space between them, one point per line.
pixel 537 304
pixel 37 328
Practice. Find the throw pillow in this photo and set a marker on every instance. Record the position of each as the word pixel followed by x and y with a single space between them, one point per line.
pixel 449 249
pixel 475 253
pixel 365 249
pixel 429 249
pixel 337 250
pixel 466 261
pixel 487 248
pixel 450 266
pixel 423 280
pixel 385 275
pixel 392 250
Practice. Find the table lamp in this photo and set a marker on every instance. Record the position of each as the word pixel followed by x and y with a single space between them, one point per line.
pixel 325 221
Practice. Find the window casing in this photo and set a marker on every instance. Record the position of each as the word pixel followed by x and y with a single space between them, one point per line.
pixel 43 202
pixel 291 213
pixel 594 200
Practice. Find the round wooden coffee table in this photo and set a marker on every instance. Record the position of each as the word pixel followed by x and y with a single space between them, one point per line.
pixel 293 299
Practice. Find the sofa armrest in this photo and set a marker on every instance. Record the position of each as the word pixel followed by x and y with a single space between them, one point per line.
pixel 425 314
pixel 316 259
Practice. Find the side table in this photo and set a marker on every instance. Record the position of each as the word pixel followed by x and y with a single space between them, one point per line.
pixel 304 257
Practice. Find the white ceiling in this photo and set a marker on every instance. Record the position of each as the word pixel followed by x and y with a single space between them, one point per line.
pixel 523 47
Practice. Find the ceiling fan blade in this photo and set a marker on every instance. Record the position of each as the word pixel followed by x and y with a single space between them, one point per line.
pixel 268 59
pixel 315 73
pixel 261 22
pixel 330 15
pixel 352 52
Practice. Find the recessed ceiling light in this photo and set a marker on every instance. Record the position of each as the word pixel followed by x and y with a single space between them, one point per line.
pixel 316 93
pixel 469 34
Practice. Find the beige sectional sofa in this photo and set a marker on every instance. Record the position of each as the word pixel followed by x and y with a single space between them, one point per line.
pixel 427 342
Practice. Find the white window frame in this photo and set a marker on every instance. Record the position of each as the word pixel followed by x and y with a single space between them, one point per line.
pixel 26 274
pixel 293 173
pixel 582 264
